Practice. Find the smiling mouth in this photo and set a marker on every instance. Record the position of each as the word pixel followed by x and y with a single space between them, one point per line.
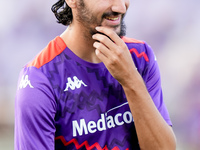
pixel 112 18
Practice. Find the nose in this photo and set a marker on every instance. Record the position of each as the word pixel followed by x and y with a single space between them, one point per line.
pixel 120 6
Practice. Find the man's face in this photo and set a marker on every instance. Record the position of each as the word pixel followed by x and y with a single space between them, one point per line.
pixel 109 13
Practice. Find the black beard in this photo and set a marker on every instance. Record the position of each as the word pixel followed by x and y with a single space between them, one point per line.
pixel 83 17
pixel 122 25
pixel 122 29
pixel 121 34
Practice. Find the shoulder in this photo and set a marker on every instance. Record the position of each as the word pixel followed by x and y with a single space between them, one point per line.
pixel 37 73
pixel 131 40
pixel 138 48
pixel 54 48
pixel 143 55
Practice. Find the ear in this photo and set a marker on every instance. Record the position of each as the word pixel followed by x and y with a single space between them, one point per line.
pixel 71 3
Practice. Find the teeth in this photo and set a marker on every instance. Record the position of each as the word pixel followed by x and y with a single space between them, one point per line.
pixel 109 18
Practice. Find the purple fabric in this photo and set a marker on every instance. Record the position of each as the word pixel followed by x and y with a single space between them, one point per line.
pixel 69 103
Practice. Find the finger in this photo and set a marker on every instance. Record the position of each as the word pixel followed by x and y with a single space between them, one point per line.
pixel 104 40
pixel 111 34
pixel 101 48
pixel 101 56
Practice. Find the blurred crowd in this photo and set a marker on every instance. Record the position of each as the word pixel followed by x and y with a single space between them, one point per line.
pixel 170 27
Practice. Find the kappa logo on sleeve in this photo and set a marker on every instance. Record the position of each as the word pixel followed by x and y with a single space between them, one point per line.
pixel 25 82
pixel 74 84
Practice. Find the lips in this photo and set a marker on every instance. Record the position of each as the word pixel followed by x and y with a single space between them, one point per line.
pixel 112 18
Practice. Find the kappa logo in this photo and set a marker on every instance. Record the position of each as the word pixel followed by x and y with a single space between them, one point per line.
pixel 74 84
pixel 25 82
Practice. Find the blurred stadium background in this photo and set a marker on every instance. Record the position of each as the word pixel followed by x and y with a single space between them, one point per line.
pixel 172 28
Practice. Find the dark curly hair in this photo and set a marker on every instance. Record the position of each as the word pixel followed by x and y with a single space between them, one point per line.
pixel 62 12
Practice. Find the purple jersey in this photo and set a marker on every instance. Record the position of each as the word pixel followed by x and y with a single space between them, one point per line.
pixel 64 102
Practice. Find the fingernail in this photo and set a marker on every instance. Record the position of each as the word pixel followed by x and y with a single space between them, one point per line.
pixel 97 28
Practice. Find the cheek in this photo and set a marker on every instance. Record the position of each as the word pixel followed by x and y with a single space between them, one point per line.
pixel 96 18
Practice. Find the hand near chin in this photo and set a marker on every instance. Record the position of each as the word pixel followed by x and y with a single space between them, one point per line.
pixel 113 52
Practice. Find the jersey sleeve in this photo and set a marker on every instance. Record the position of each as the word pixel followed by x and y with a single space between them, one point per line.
pixel 153 84
pixel 35 109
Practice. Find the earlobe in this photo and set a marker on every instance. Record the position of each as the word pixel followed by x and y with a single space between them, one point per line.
pixel 71 3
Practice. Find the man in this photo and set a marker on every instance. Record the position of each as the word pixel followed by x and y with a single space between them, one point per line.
pixel 91 87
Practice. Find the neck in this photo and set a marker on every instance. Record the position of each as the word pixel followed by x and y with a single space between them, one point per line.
pixel 80 44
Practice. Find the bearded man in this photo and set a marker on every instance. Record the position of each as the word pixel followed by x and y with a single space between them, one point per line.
pixel 92 87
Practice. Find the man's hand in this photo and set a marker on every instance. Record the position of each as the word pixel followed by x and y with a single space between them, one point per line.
pixel 152 130
pixel 113 52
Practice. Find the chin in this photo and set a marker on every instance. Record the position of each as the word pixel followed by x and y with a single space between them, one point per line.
pixel 117 29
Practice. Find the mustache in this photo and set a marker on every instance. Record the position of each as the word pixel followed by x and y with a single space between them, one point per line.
pixel 111 14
